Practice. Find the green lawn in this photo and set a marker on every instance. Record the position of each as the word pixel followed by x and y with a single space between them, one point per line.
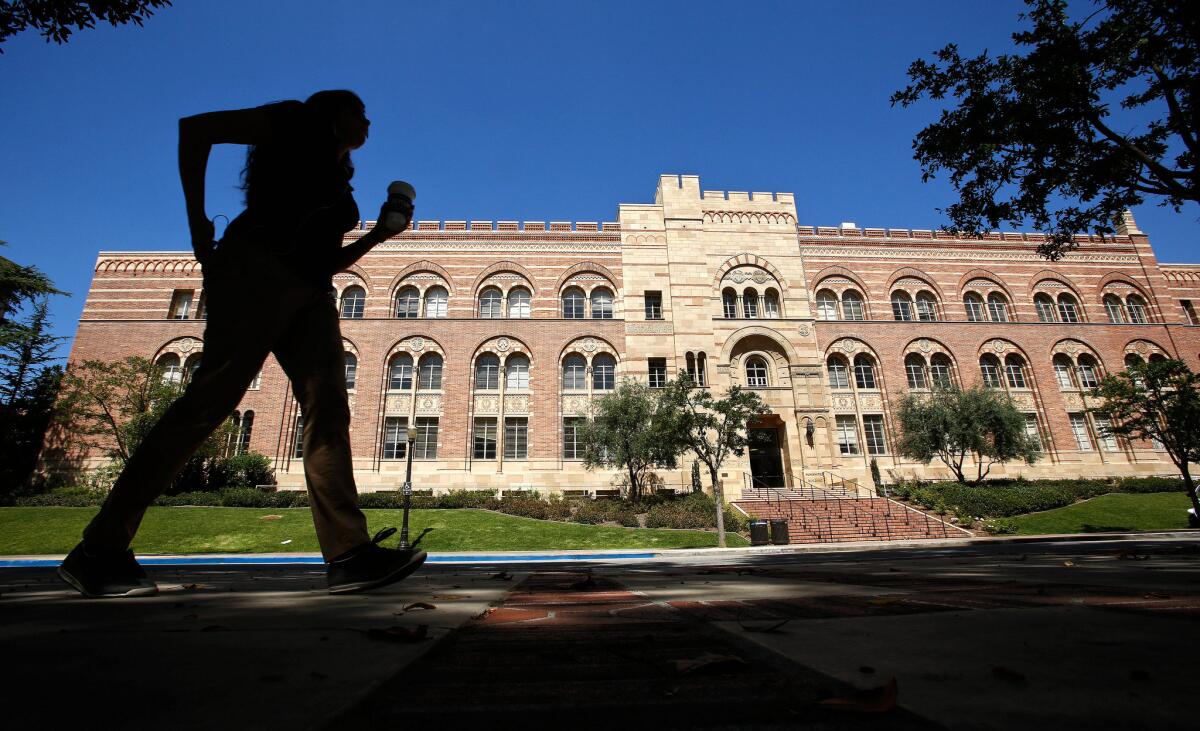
pixel 243 530
pixel 1113 512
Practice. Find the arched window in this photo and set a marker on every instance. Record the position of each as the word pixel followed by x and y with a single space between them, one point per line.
pixel 1014 370
pixel 408 302
pixel 914 369
pixel 602 304
pixel 190 366
pixel 940 371
pixel 852 305
pixel 429 375
pixel 400 372
pixel 1137 309
pixel 926 307
pixel 435 302
pixel 169 365
pixel 974 304
pixel 839 372
pixel 729 303
pixel 1133 359
pixel 827 305
pixel 997 307
pixel 516 372
pixel 902 306
pixel 1064 373
pixel 574 374
pixel 756 372
pixel 572 303
pixel 1068 308
pixel 689 365
pixel 864 371
pixel 1089 372
pixel 771 304
pixel 750 303
pixel 351 371
pixel 490 301
pixel 487 372
pixel 518 302
pixel 1157 357
pixel 989 369
pixel 354 301
pixel 1045 308
pixel 604 372
pixel 243 437
pixel 701 369
pixel 1115 308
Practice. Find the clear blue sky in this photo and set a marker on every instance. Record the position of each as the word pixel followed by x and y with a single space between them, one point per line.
pixel 524 110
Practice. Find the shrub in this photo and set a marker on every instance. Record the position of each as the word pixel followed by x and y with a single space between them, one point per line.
pixel 210 499
pixel 468 499
pixel 245 497
pixel 525 506
pixel 64 497
pixel 249 469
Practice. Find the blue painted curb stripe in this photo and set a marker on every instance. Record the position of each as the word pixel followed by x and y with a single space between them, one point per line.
pixel 317 560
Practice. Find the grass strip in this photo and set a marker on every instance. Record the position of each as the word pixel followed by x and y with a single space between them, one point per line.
pixel 1113 512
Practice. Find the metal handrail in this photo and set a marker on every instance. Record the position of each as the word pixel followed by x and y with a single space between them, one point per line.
pixel 781 503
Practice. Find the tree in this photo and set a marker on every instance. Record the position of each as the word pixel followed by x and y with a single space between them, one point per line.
pixel 28 389
pixel 713 428
pixel 631 430
pixel 1157 401
pixel 951 424
pixel 1033 137
pixel 54 18
pixel 20 284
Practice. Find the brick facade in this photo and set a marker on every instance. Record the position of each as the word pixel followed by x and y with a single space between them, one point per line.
pixel 703 254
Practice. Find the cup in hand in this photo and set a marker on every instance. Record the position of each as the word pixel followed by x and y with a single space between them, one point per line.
pixel 399 193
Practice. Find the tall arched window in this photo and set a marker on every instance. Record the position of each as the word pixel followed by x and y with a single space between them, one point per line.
pixel 1068 308
pixel 902 306
pixel 604 372
pixel 435 302
pixel 839 372
pixel 1045 308
pixel 940 371
pixel 354 301
pixel 1064 373
pixel 750 303
pixel 516 372
pixel 1115 308
pixel 701 369
pixel 518 302
pixel 1014 370
pixel 852 305
pixel 1137 309
pixel 487 372
pixel 914 369
pixel 400 372
pixel 572 303
pixel 490 303
pixel 351 371
pixel 926 307
pixel 997 307
pixel 169 365
pixel 1089 372
pixel 729 303
pixel 408 302
pixel 429 374
pixel 244 431
pixel 771 304
pixel 1133 359
pixel 864 371
pixel 989 369
pixel 190 366
pixel 756 372
pixel 827 305
pixel 574 374
pixel 974 304
pixel 602 304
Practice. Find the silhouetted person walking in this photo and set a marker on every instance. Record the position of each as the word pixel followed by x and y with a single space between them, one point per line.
pixel 268 290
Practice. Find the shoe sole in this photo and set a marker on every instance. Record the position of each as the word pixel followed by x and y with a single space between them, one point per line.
pixel 413 564
pixel 139 591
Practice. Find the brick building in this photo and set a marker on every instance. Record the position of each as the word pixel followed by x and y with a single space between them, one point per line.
pixel 492 337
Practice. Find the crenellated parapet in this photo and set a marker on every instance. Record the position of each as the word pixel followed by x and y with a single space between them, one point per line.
pixel 851 232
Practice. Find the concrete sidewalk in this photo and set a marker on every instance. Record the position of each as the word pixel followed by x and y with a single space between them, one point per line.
pixel 991 635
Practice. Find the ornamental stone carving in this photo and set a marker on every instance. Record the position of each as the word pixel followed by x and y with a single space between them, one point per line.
pixel 430 405
pixel 502 344
pixel 999 346
pixel 516 404
pixel 186 345
pixel 575 405
pixel 648 328
pixel 1071 348
pixel 396 404
pixel 1142 347
pixel 870 402
pixel 1073 400
pixel 924 345
pixel 487 405
pixel 843 403
pixel 417 344
pixel 1024 401
pixel 588 345
pixel 848 345
pixel 804 330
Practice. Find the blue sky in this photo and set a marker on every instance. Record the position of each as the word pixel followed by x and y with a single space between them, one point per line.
pixel 524 110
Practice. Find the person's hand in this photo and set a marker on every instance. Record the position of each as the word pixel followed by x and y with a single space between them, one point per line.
pixel 381 226
pixel 203 233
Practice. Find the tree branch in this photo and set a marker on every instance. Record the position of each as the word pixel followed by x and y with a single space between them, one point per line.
pixel 1161 172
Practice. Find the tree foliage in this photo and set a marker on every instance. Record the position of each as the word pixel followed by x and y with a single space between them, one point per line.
pixel 1157 401
pixel 57 19
pixel 631 429
pixel 713 428
pixel 951 424
pixel 19 285
pixel 1034 138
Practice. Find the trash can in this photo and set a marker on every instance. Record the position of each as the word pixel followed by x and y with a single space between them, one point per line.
pixel 779 532
pixel 758 533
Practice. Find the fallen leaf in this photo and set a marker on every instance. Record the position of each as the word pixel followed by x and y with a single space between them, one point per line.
pixel 284 543
pixel 710 664
pixel 871 700
pixel 420 633
pixel 271 517
pixel 1007 674
pixel 419 605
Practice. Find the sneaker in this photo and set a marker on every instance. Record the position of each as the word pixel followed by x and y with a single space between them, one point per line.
pixel 105 575
pixel 371 566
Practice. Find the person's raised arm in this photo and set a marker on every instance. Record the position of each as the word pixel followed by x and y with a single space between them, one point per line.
pixel 197 135
pixel 349 254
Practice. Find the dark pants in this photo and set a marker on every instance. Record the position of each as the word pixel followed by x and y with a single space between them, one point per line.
pixel 255 306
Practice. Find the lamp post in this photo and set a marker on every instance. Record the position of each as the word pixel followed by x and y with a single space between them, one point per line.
pixel 412 437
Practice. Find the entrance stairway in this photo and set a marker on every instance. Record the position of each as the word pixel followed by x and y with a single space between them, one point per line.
pixel 840 511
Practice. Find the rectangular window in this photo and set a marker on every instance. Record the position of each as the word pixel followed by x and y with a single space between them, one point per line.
pixel 1045 310
pixel 847 435
pixel 181 304
pixel 485 438
pixel 201 307
pixel 1137 313
pixel 572 447
pixel 974 310
pixel 998 311
pixel 395 437
pixel 873 433
pixel 298 438
pixel 658 372
pixel 1079 429
pixel 1108 441
pixel 427 438
pixel 654 306
pixel 1067 311
pixel 852 308
pixel 516 437
pixel 1189 310
pixel 839 375
pixel 257 382
pixel 902 310
pixel 1031 429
